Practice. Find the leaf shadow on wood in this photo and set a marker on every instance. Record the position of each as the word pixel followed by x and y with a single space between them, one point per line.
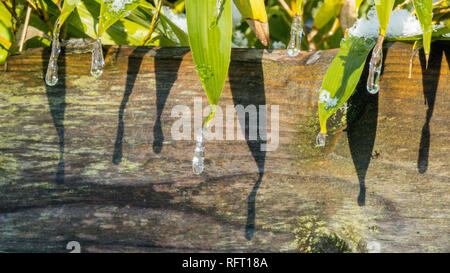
pixel 134 64
pixel 247 88
pixel 362 121
pixel 430 82
pixel 166 68
pixel 56 97
pixel 166 73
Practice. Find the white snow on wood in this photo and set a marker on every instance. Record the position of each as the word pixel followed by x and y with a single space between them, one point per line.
pixel 401 24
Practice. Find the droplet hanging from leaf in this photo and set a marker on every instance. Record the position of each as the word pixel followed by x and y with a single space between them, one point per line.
pixel 293 48
pixel 51 77
pixel 199 154
pixel 211 51
pixel 384 9
pixel 375 66
pixel 97 58
pixel 321 139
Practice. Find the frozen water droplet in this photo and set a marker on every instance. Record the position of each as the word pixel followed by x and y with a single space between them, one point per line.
pixel 344 107
pixel 199 154
pixel 320 140
pixel 51 77
pixel 97 59
pixel 376 63
pixel 293 48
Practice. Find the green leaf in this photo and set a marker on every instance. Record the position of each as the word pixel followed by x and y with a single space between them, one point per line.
pixel 357 5
pixel 384 9
pixel 327 11
pixel 181 35
pixel 112 11
pixel 342 76
pixel 6 35
pixel 68 7
pixel 299 4
pixel 211 47
pixel 424 9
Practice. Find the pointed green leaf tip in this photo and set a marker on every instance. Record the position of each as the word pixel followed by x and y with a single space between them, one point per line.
pixel 424 10
pixel 384 9
pixel 67 8
pixel 211 46
pixel 342 76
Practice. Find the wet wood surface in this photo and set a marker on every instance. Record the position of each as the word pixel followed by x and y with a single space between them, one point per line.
pixel 94 160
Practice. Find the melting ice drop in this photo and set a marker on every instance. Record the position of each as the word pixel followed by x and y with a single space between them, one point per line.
pixel 320 140
pixel 293 48
pixel 51 77
pixel 199 154
pixel 376 63
pixel 97 59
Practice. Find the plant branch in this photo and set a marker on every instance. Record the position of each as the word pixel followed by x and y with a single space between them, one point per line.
pixel 45 15
pixel 154 22
pixel 286 8
pixel 25 29
pixel 33 5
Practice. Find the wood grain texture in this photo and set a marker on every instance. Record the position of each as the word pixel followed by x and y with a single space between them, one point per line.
pixel 93 160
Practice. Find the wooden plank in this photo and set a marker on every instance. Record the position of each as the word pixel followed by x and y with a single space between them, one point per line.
pixel 93 160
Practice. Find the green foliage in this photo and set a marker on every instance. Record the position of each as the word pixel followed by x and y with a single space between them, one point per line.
pixel 210 44
pixel 342 76
pixel 133 22
pixel 111 13
pixel 384 9
pixel 68 7
pixel 424 9
pixel 6 35
pixel 329 10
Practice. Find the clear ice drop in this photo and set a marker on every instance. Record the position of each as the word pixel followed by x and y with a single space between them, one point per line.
pixel 376 63
pixel 293 48
pixel 51 77
pixel 320 140
pixel 199 155
pixel 97 59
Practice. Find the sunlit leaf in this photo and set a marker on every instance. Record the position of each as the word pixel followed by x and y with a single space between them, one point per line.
pixel 211 46
pixel 357 5
pixel 299 4
pixel 67 8
pixel 342 76
pixel 111 11
pixel 254 12
pixel 328 11
pixel 6 35
pixel 424 10
pixel 384 9
pixel 179 6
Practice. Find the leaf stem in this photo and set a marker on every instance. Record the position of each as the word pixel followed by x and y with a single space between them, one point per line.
pixel 154 22
pixel 286 7
pixel 45 16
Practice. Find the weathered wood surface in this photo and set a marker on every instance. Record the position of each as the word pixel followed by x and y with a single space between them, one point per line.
pixel 92 160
